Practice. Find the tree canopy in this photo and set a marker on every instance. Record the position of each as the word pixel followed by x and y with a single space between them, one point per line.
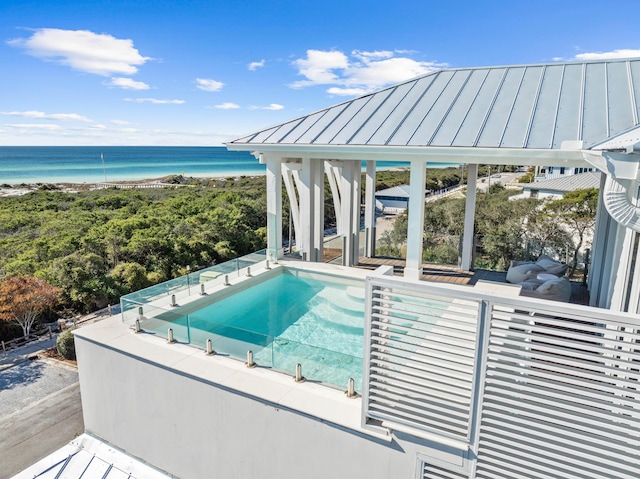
pixel 98 245
pixel 24 298
pixel 505 228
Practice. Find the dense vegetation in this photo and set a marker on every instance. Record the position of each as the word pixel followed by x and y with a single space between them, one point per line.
pixel 98 245
pixel 436 178
pixel 505 229
pixel 91 247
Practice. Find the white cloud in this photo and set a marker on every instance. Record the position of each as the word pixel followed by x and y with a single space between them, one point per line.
pixel 255 65
pixel 272 106
pixel 369 56
pixel 47 116
pixel 346 91
pixel 155 101
pixel 83 50
pixel 376 74
pixel 90 128
pixel 35 126
pixel 623 53
pixel 318 67
pixel 227 106
pixel 206 84
pixel 360 72
pixel 128 84
pixel 120 122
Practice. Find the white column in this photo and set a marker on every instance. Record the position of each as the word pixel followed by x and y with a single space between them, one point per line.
pixel 469 217
pixel 290 174
pixel 600 248
pixel 305 188
pixel 618 268
pixel 318 216
pixel 348 214
pixel 415 227
pixel 334 175
pixel 274 209
pixel 370 210
pixel 312 207
pixel 356 204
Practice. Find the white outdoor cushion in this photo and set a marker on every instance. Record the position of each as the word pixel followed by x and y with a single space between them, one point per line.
pixel 551 266
pixel 531 284
pixel 557 289
pixel 523 272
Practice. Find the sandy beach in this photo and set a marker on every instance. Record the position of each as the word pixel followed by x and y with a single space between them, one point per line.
pixel 172 181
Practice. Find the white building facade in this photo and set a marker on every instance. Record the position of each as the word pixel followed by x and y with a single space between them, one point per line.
pixel 459 382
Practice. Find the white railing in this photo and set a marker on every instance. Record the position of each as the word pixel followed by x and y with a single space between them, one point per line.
pixel 421 365
pixel 524 388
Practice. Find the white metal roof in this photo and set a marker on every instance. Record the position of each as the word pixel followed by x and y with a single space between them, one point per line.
pixel 622 141
pixel 89 458
pixel 533 107
pixel 400 191
pixel 589 179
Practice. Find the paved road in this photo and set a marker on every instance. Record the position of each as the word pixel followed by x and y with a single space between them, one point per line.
pixel 40 411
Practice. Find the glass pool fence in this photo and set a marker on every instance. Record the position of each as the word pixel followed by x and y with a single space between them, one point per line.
pixel 152 309
pixel 190 283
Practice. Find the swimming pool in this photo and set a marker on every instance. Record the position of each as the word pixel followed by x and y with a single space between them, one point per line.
pixel 296 316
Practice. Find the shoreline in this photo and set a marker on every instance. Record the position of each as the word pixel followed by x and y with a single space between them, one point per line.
pixel 169 181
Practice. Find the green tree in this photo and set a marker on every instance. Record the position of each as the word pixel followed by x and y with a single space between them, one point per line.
pixel 575 211
pixel 500 223
pixel 130 276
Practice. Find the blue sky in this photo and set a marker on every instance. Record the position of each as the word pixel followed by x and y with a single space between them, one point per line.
pixel 160 72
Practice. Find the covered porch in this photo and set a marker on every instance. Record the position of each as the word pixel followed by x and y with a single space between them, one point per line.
pixel 532 115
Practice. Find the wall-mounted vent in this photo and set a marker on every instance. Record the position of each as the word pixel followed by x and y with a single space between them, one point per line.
pixel 431 471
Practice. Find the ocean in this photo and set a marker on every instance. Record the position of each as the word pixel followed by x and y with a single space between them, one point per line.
pixel 97 164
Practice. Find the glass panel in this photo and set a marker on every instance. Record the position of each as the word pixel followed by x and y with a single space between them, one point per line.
pixel 189 284
pixel 301 318
pixel 228 339
pixel 156 320
pixel 318 364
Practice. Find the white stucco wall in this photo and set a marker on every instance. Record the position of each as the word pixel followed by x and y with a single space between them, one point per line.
pixel 203 417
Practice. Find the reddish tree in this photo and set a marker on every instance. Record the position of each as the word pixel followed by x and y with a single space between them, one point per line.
pixel 24 298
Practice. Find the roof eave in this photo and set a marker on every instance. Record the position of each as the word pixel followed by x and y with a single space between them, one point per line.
pixel 430 154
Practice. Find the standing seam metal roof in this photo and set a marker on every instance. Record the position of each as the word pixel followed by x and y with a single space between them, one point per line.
pixel 519 106
pixel 589 179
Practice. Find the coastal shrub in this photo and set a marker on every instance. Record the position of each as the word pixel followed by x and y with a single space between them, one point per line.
pixel 441 253
pixel 66 345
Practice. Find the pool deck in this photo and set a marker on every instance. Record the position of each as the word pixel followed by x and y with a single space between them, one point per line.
pixel 452 274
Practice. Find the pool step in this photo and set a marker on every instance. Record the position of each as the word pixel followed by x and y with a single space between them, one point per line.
pixel 355 293
pixel 347 301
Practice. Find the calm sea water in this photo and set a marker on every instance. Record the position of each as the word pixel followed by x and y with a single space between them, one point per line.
pixel 80 164
pixel 95 164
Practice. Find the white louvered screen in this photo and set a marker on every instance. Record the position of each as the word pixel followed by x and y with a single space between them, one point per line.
pixel 561 397
pixel 421 351
pixel 429 471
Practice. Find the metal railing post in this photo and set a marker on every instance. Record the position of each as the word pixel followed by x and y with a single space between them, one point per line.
pixel 480 364
pixel 587 253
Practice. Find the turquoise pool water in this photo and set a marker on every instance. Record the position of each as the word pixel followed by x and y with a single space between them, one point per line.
pixel 315 320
